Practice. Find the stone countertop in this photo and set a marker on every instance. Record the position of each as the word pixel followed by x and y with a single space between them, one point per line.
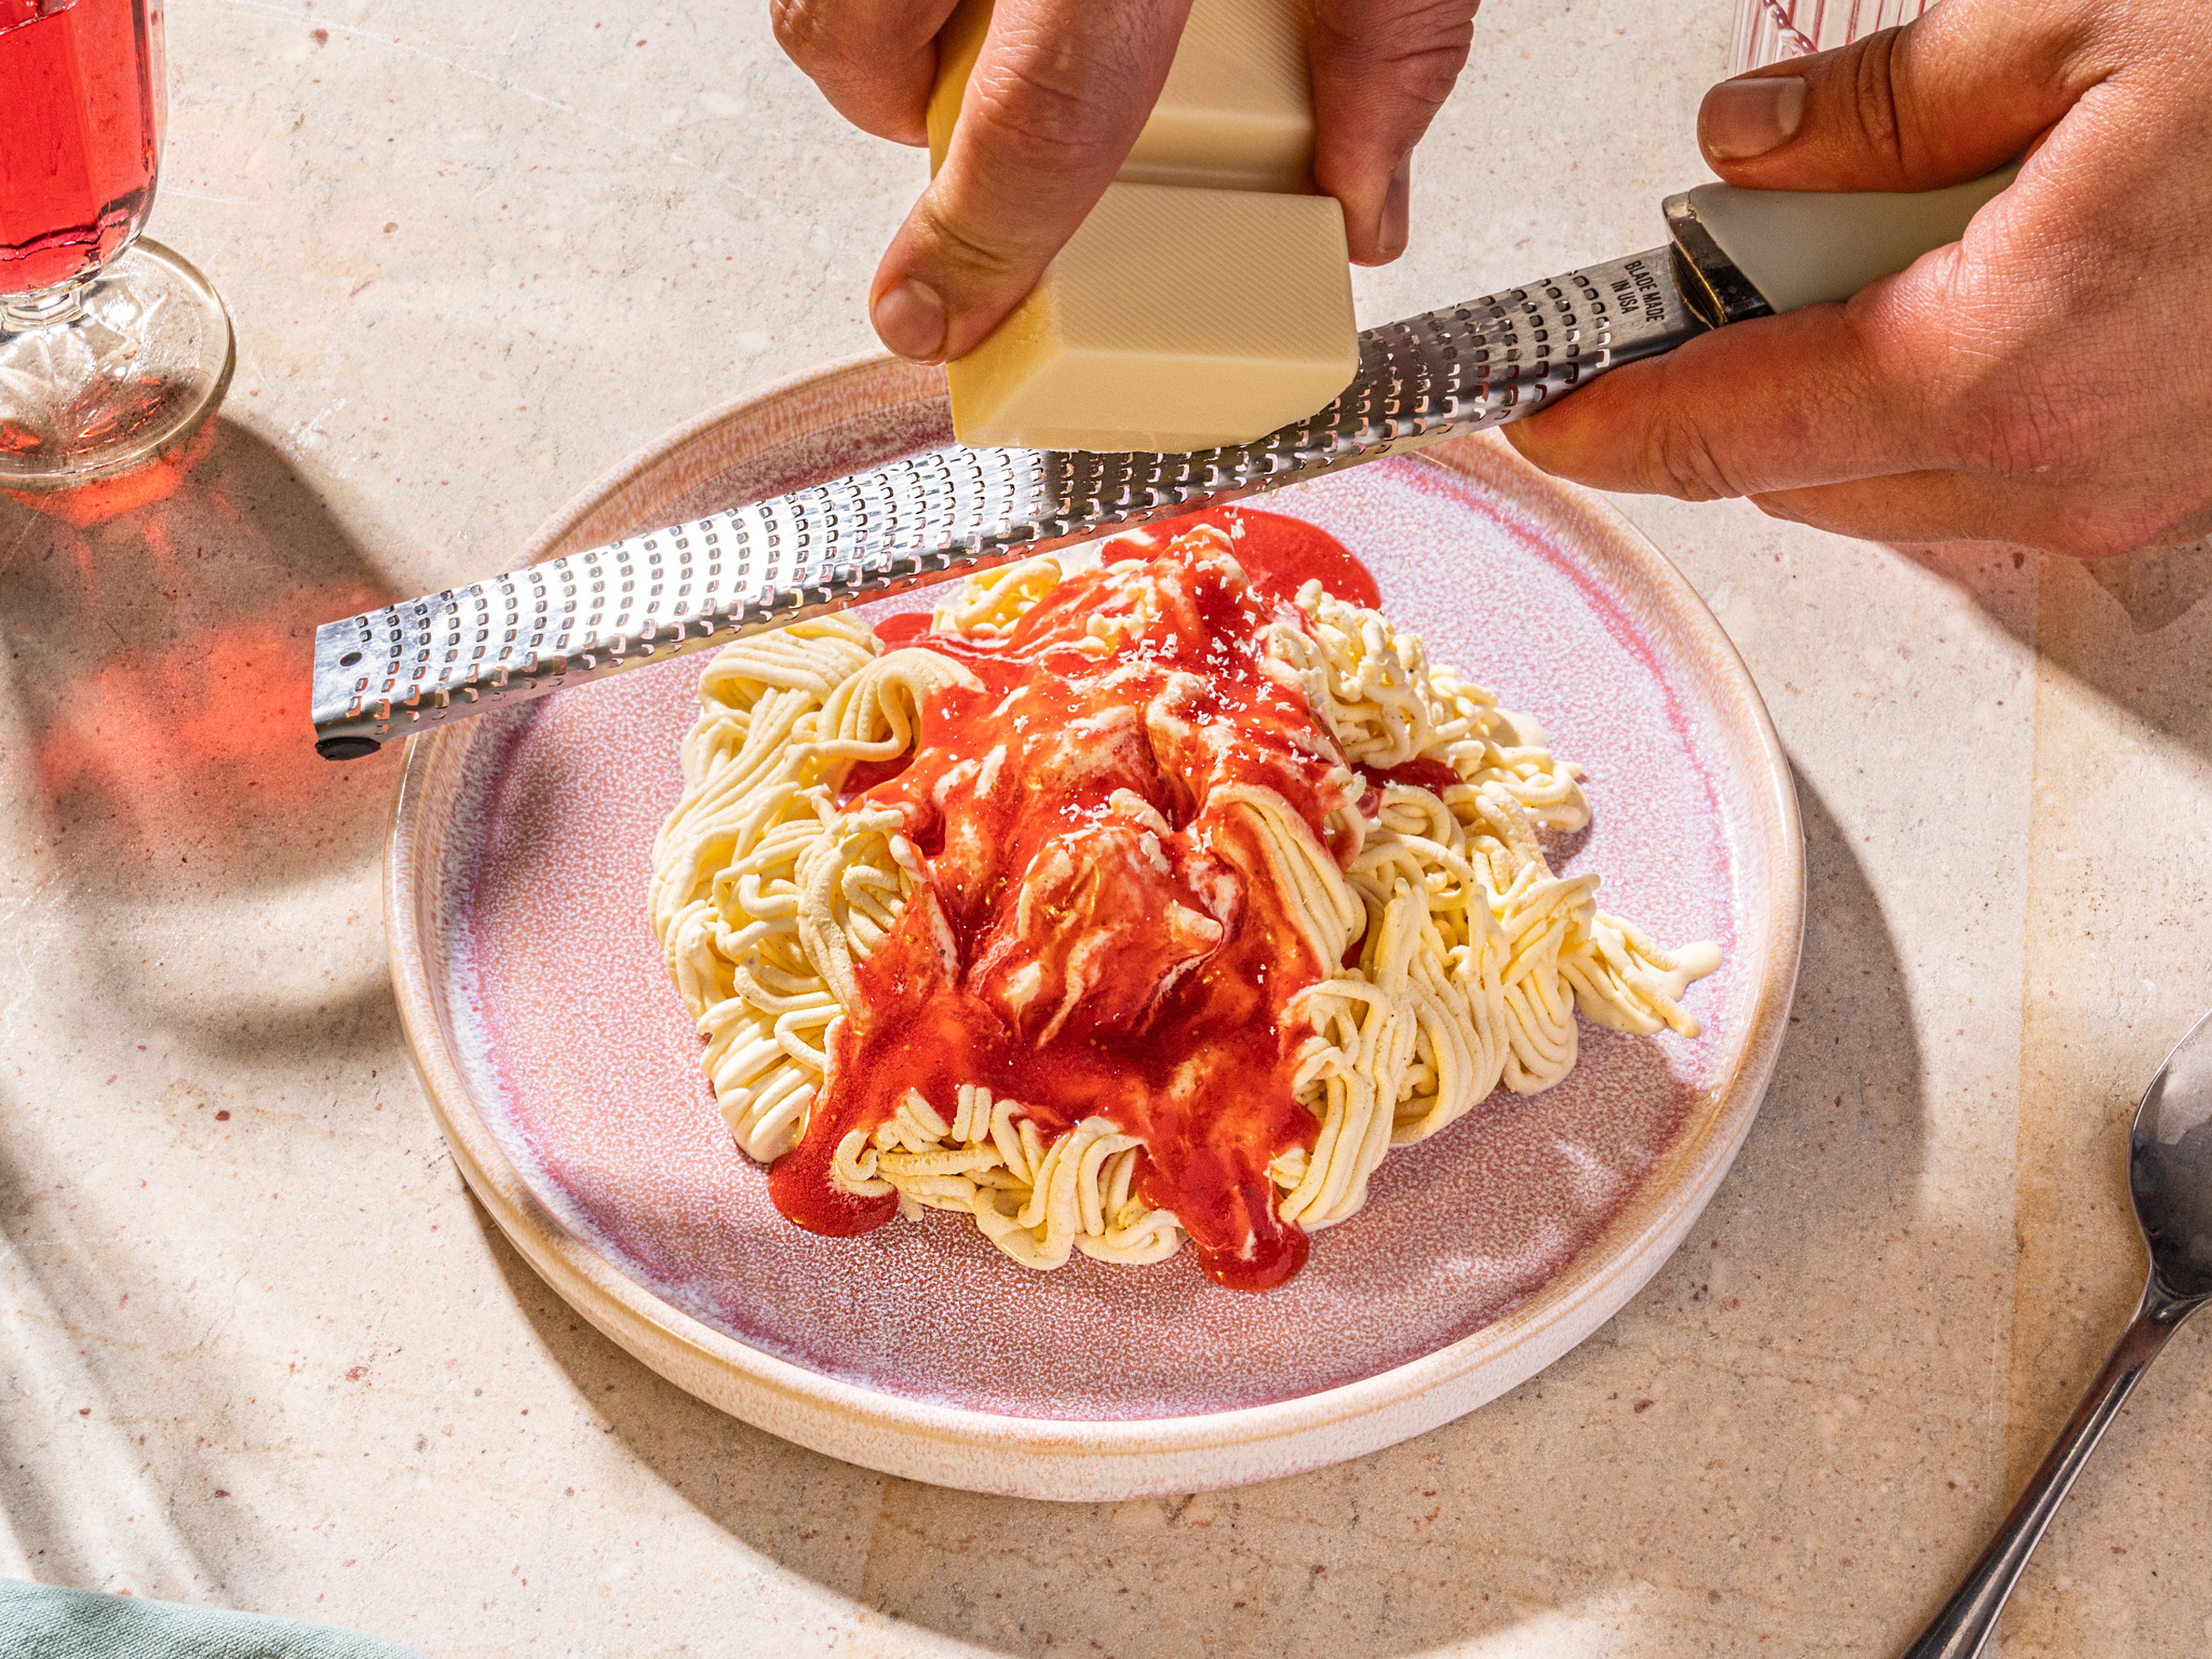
pixel 263 1350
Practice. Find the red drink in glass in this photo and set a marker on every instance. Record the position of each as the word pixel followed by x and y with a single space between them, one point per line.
pixel 114 349
pixel 84 98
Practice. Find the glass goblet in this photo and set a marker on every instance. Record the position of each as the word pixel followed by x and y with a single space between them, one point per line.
pixel 114 349
pixel 1768 31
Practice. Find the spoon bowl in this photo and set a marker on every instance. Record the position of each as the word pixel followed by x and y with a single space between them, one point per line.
pixel 2170 1174
pixel 2170 1167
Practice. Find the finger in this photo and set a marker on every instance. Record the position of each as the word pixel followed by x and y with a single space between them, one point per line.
pixel 1058 95
pixel 1815 397
pixel 874 60
pixel 1380 70
pixel 1948 98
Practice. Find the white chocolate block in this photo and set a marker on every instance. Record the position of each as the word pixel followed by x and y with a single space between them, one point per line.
pixel 1236 112
pixel 1174 320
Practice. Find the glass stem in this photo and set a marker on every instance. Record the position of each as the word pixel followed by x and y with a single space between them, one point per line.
pixel 45 307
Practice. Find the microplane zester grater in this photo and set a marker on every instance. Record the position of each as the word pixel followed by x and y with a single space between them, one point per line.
pixel 1731 255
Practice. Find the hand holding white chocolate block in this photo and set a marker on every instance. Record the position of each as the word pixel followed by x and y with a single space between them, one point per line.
pixel 1070 96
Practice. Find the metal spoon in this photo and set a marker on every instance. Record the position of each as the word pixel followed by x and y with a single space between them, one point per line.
pixel 2170 1172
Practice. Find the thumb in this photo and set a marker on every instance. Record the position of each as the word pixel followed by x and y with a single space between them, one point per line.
pixel 1058 95
pixel 1956 94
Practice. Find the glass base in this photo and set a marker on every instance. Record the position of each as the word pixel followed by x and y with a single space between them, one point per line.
pixel 104 376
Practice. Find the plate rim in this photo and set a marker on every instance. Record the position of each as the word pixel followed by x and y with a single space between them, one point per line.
pixel 1112 1458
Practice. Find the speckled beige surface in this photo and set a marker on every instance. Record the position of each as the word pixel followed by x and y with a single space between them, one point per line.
pixel 260 1349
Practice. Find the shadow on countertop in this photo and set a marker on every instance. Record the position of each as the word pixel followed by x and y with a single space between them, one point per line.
pixel 158 637
pixel 160 659
pixel 1564 1498
pixel 2137 629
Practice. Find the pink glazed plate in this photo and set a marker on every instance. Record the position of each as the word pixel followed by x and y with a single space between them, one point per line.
pixel 565 1072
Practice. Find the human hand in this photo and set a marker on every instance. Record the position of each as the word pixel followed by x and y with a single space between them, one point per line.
pixel 1059 95
pixel 2046 380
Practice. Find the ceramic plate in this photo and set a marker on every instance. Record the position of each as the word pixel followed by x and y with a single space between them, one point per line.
pixel 564 1069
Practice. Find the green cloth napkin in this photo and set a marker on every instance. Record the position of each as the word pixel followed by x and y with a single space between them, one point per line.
pixel 47 1621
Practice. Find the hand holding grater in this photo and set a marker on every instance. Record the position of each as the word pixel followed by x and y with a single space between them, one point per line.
pixel 1733 254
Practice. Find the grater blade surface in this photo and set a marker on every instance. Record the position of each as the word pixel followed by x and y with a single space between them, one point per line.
pixel 401 668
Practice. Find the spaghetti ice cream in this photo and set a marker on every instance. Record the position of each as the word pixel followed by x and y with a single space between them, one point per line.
pixel 1153 892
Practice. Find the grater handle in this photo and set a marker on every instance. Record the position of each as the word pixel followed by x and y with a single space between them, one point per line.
pixel 1759 251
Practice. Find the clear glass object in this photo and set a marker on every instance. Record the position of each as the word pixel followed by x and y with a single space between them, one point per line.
pixel 1768 31
pixel 113 349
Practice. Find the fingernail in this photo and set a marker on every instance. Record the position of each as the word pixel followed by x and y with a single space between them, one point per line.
pixel 910 318
pixel 1748 117
pixel 1391 233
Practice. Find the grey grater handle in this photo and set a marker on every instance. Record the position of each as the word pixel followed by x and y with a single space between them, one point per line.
pixel 391 672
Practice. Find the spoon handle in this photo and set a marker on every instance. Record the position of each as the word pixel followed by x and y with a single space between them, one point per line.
pixel 1959 1631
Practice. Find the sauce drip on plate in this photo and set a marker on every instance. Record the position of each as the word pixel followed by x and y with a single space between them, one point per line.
pixel 1097 932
